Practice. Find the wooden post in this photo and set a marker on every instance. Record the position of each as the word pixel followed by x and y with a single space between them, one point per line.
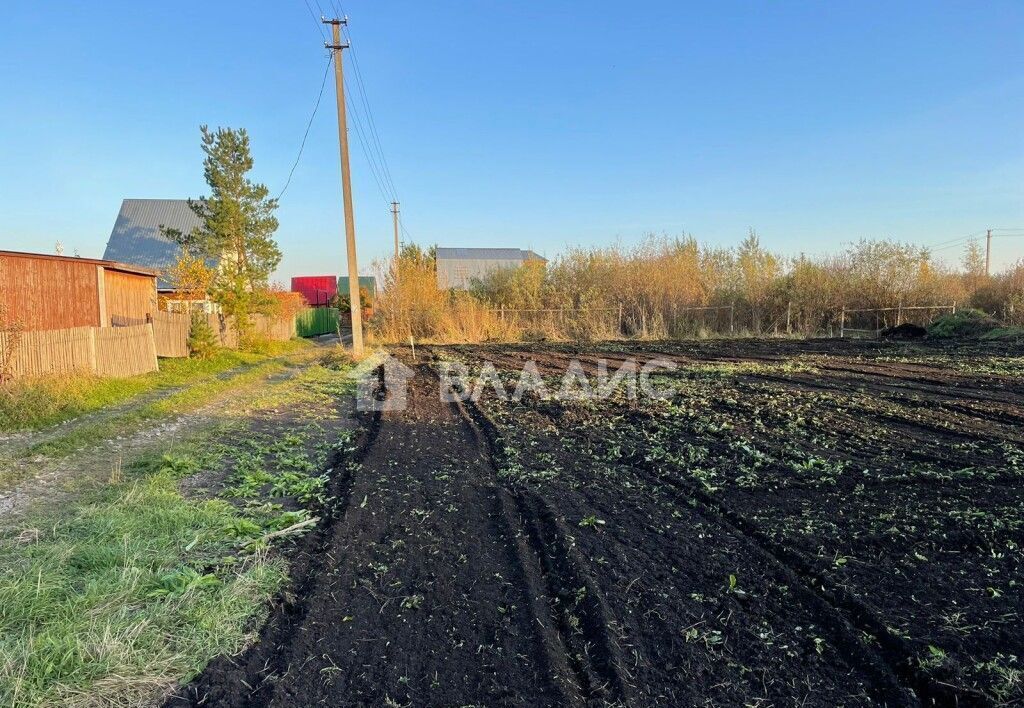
pixel 93 366
pixel 355 307
pixel 789 314
pixel 152 345
pixel 954 307
pixel 899 313
pixel 732 318
pixel 101 295
pixel 620 317
pixel 842 322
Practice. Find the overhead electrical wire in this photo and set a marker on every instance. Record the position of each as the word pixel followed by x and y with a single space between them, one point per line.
pixel 363 120
pixel 318 23
pixel 309 125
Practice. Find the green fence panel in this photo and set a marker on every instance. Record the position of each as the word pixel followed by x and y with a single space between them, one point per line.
pixel 316 321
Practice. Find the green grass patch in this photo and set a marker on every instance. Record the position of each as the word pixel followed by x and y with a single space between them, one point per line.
pixel 127 592
pixel 185 400
pixel 1004 334
pixel 42 402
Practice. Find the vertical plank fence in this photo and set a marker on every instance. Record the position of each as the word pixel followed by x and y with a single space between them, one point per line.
pixel 105 351
pixel 125 351
pixel 277 329
pixel 171 331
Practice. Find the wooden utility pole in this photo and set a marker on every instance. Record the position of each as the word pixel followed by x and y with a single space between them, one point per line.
pixel 988 252
pixel 394 214
pixel 355 306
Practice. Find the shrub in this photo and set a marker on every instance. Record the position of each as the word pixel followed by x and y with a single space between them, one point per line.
pixel 202 341
pixel 965 324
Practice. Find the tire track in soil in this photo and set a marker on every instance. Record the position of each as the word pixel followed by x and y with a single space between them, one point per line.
pixel 848 613
pixel 225 679
pixel 482 630
pixel 892 665
pixel 889 680
pixel 555 575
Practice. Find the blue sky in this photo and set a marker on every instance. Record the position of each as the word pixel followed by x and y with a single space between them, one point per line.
pixel 530 124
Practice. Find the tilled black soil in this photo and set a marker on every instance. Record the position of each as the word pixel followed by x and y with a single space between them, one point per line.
pixel 757 540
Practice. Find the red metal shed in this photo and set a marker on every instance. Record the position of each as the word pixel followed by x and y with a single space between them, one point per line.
pixel 317 289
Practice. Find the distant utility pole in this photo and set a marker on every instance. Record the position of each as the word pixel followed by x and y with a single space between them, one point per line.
pixel 394 214
pixel 355 306
pixel 988 252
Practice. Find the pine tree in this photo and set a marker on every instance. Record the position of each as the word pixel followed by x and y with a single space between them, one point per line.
pixel 237 230
pixel 202 340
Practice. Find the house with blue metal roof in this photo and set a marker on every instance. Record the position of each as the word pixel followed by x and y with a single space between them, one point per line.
pixel 137 238
pixel 458 267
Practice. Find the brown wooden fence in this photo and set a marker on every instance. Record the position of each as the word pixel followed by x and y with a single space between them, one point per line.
pixel 106 351
pixel 171 332
pixel 277 329
pixel 125 351
pixel 172 329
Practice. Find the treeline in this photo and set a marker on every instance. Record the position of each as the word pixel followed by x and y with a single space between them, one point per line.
pixel 676 287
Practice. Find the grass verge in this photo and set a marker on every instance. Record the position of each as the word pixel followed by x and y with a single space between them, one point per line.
pixel 29 405
pixel 132 587
pixel 128 592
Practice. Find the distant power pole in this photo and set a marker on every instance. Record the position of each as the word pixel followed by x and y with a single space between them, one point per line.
pixel 394 214
pixel 355 306
pixel 988 252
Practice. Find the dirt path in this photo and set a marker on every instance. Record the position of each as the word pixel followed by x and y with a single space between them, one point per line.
pixel 14 445
pixel 420 592
pixel 43 477
pixel 440 579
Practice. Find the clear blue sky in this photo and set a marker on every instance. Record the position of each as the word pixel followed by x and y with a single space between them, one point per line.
pixel 530 124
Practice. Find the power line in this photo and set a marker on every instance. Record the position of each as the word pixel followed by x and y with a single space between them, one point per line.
pixel 955 241
pixel 366 127
pixel 372 124
pixel 369 157
pixel 302 145
pixel 319 25
pixel 374 145
pixel 955 245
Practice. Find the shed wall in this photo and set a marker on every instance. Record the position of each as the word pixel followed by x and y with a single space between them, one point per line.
pixel 130 298
pixel 46 294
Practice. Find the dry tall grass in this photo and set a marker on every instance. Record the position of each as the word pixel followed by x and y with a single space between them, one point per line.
pixel 673 287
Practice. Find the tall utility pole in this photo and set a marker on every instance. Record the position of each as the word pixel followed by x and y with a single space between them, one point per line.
pixel 355 306
pixel 394 214
pixel 988 252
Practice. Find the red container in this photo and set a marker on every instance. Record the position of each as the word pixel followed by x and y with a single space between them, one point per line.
pixel 317 289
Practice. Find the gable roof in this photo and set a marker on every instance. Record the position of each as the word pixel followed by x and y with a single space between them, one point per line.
pixel 108 265
pixel 136 237
pixel 487 254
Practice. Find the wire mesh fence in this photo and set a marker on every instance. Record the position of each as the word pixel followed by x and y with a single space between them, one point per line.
pixel 872 321
pixel 671 322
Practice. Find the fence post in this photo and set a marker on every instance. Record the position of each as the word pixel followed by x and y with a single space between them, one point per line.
pixel 899 313
pixel 789 313
pixel 93 364
pixel 732 318
pixel 620 317
pixel 954 308
pixel 152 345
pixel 842 322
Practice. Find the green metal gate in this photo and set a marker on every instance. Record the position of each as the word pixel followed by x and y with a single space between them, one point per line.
pixel 316 321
